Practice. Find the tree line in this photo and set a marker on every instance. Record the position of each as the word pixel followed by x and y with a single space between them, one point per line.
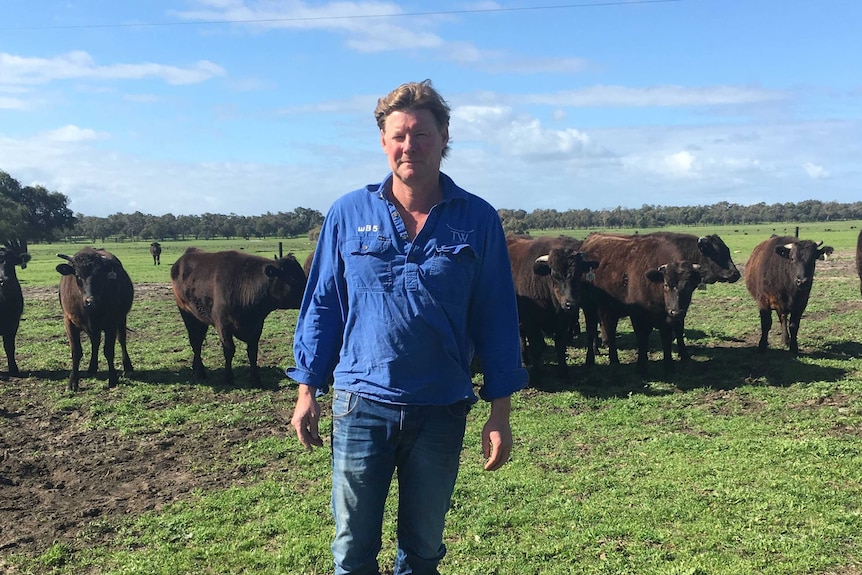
pixel 35 214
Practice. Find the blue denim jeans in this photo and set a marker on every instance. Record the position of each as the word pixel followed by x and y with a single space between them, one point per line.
pixel 370 440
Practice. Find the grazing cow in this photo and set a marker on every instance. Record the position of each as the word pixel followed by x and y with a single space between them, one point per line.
pixel 547 273
pixel 11 300
pixel 644 278
pixel 716 265
pixel 96 295
pixel 156 252
pixel 859 259
pixel 779 275
pixel 234 292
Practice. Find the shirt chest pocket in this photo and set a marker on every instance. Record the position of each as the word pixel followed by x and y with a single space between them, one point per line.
pixel 451 273
pixel 369 264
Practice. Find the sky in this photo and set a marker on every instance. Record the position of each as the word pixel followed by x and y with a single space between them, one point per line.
pixel 255 106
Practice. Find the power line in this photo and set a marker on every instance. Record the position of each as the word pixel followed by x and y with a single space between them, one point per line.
pixel 325 18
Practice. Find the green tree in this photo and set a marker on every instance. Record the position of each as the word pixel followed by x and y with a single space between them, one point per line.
pixel 32 213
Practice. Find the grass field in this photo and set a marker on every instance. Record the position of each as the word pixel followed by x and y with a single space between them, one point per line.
pixel 741 462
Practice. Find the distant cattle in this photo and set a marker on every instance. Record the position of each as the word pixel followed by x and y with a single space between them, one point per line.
pixel 644 278
pixel 716 265
pixel 859 259
pixel 234 292
pixel 548 273
pixel 11 300
pixel 779 275
pixel 156 252
pixel 96 295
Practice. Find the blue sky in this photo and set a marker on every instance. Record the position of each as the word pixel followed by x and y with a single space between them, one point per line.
pixel 249 106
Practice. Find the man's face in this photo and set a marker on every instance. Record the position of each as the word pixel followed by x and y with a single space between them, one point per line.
pixel 414 146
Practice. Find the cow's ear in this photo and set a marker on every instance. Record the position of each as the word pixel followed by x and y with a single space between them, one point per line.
pixel 271 271
pixel 824 251
pixel 656 276
pixel 66 269
pixel 592 264
pixel 704 245
pixel 784 251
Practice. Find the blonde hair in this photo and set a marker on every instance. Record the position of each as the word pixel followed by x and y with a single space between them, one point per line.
pixel 414 96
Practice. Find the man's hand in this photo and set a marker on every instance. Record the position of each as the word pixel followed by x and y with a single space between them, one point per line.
pixel 306 416
pixel 497 435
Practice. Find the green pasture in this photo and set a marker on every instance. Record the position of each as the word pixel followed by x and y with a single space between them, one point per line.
pixel 738 463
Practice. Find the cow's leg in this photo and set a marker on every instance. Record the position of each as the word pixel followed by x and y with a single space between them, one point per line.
pixel 642 331
pixel 229 349
pixel 95 342
pixel 122 332
pixel 73 333
pixel 9 346
pixel 109 350
pixel 609 331
pixel 793 332
pixel 666 332
pixel 591 322
pixel 253 341
pixel 197 333
pixel 765 326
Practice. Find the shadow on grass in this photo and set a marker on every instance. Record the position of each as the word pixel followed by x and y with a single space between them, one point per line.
pixel 709 367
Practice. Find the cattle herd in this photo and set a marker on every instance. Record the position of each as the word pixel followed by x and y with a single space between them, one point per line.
pixel 649 278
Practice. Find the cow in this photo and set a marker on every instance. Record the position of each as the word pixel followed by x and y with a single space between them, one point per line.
pixel 859 259
pixel 96 295
pixel 547 273
pixel 234 292
pixel 306 267
pixel 11 300
pixel 779 275
pixel 716 265
pixel 644 278
pixel 156 252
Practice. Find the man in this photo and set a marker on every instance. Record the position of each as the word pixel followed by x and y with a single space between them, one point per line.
pixel 410 277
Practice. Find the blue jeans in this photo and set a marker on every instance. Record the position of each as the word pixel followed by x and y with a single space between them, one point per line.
pixel 370 440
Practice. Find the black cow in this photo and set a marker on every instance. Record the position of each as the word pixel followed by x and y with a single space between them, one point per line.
pixel 234 292
pixel 11 300
pixel 156 252
pixel 779 275
pixel 716 265
pixel 96 295
pixel 547 273
pixel 644 278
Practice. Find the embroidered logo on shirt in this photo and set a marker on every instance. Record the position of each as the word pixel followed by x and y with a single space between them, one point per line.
pixel 368 228
pixel 462 236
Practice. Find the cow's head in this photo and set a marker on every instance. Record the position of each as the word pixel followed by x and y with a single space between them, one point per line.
pixel 566 268
pixel 721 268
pixel 95 274
pixel 803 255
pixel 286 281
pixel 679 280
pixel 9 258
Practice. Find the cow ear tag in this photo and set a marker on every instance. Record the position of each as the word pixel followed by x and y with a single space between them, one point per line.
pixel 591 277
pixel 112 275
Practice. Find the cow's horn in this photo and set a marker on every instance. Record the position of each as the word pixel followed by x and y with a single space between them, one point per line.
pixel 543 259
pixel 788 246
pixel 65 257
pixel 695 266
pixel 820 243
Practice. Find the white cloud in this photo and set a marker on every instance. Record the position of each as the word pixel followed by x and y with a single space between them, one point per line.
pixel 814 171
pixel 24 71
pixel 71 134
pixel 657 96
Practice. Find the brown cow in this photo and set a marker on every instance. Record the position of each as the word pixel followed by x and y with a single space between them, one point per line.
pixel 644 278
pixel 11 300
pixel 156 252
pixel 548 273
pixel 779 275
pixel 234 292
pixel 716 265
pixel 96 295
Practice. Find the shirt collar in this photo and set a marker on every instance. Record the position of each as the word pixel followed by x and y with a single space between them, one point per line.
pixel 451 190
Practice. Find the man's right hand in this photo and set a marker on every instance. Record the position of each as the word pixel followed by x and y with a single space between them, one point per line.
pixel 306 416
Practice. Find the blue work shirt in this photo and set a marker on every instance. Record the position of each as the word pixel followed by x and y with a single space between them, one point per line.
pixel 398 321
